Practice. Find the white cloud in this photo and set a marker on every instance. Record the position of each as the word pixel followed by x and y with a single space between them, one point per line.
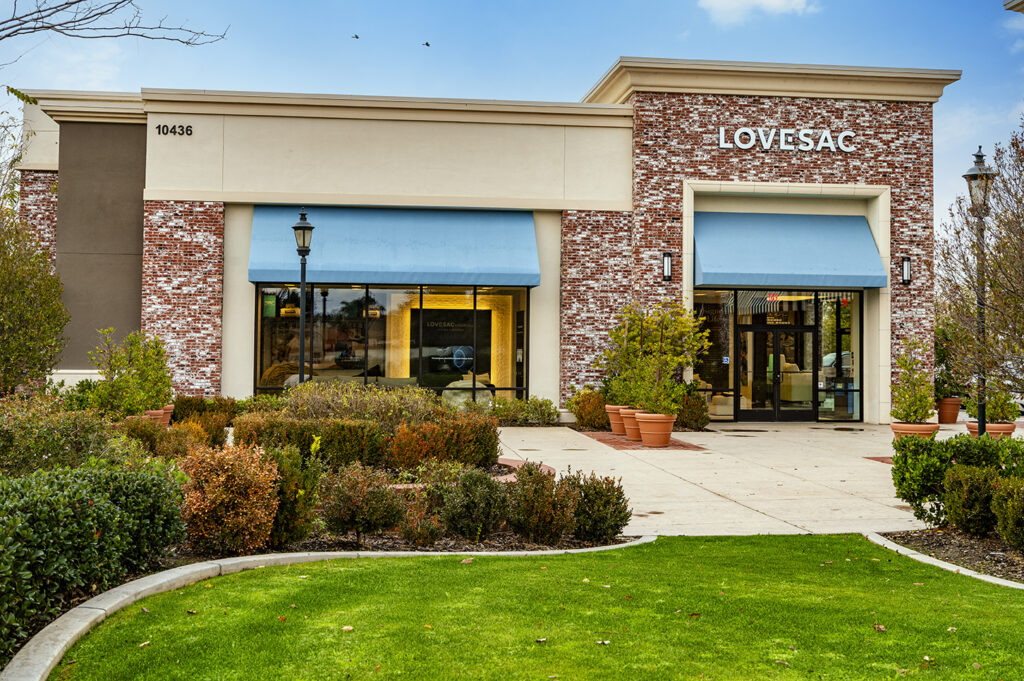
pixel 1015 22
pixel 734 12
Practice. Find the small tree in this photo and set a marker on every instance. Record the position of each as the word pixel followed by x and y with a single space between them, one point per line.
pixel 135 374
pixel 913 397
pixel 32 315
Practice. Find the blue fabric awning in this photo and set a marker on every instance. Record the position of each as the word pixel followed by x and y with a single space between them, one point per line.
pixel 397 246
pixel 784 250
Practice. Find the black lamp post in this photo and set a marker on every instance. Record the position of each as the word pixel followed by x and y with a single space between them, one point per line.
pixel 979 182
pixel 303 235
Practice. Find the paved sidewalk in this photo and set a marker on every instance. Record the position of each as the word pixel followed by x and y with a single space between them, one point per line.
pixel 749 479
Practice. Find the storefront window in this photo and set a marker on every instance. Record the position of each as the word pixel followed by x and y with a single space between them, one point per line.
pixel 714 370
pixel 775 308
pixel 839 376
pixel 469 342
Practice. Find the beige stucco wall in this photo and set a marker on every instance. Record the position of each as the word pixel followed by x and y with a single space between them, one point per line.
pixel 40 135
pixel 239 308
pixel 279 159
pixel 813 199
pixel 545 344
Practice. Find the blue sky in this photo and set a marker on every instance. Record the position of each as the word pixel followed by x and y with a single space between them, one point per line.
pixel 533 50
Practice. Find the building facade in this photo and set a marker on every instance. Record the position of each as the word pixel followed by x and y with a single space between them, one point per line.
pixel 484 247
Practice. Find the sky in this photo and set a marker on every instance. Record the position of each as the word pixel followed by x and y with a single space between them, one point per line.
pixel 551 51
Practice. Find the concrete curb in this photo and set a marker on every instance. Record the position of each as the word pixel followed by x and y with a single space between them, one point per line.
pixel 41 654
pixel 931 560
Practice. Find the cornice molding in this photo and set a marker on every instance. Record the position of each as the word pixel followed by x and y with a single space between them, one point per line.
pixel 1014 5
pixel 638 74
pixel 90 107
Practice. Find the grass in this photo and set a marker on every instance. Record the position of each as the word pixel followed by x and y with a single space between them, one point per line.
pixel 794 607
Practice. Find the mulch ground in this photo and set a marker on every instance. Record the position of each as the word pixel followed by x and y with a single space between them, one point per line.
pixel 988 555
pixel 500 541
pixel 620 442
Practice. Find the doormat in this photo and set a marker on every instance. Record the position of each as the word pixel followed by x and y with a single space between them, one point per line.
pixel 880 459
pixel 621 443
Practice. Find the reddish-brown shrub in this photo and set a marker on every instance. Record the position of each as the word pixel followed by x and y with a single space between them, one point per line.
pixel 469 438
pixel 230 499
pixel 413 444
pixel 422 525
pixel 588 407
pixel 360 498
pixel 541 509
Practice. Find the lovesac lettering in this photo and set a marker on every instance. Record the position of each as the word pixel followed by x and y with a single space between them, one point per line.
pixel 786 139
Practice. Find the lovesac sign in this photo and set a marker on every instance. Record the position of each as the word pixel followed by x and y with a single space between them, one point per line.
pixel 786 139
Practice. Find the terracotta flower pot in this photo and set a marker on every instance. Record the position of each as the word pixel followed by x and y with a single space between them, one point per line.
pixel 156 415
pixel 615 419
pixel 993 430
pixel 899 429
pixel 168 410
pixel 655 429
pixel 948 408
pixel 629 422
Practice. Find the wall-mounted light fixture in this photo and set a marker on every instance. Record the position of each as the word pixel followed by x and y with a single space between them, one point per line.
pixel 666 266
pixel 905 272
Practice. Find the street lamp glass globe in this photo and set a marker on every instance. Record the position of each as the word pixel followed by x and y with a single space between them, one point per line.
pixel 303 231
pixel 979 182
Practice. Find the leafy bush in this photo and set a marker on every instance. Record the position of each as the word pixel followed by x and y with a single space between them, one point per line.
pixel 342 441
pixel 142 429
pixel 470 438
pixel 35 434
pixel 540 509
pixel 177 441
pixel 536 411
pixel 387 407
pixel 188 407
pixel 135 374
pixel 421 524
pixel 259 403
pixel 999 407
pixel 213 425
pixel 59 539
pixel 359 498
pixel 973 451
pixel 416 443
pixel 296 495
pixel 913 394
pixel 78 396
pixel 32 314
pixel 1008 506
pixel 230 499
pixel 693 412
pixel 603 509
pixel 1011 457
pixel 476 506
pixel 588 406
pixel 967 495
pixel 436 479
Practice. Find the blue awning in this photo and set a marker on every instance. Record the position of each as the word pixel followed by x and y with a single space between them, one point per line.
pixel 397 246
pixel 782 250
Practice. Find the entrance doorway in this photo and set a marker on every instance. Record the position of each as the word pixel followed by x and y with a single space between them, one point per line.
pixel 776 373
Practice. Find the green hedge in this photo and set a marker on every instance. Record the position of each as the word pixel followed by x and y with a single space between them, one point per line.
pixel 65 534
pixel 342 441
pixel 35 434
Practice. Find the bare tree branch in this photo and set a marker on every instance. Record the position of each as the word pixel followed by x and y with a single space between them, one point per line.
pixel 96 19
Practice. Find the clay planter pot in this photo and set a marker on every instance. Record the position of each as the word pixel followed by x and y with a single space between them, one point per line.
pixel 168 410
pixel 900 429
pixel 993 430
pixel 629 421
pixel 655 429
pixel 155 415
pixel 948 408
pixel 615 419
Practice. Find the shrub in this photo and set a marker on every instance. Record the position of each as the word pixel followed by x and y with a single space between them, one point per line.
pixel 967 495
pixel 693 412
pixel 918 470
pixel 188 407
pixel 296 495
pixel 175 442
pixel 142 429
pixel 1011 457
pixel 473 440
pixel 999 407
pixel 135 374
pixel 421 525
pixel 588 407
pixel 476 506
pixel 603 509
pixel 230 499
pixel 32 314
pixel 360 498
pixel 913 393
pixel 78 396
pixel 59 539
pixel 535 411
pixel 540 509
pixel 35 434
pixel 342 441
pixel 259 403
pixel 983 451
pixel 1008 506
pixel 213 425
pixel 387 407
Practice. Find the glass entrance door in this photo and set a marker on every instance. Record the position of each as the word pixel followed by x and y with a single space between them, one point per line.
pixel 775 374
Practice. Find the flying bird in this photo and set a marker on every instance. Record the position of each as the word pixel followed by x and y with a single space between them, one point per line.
pixel 356 36
pixel 426 44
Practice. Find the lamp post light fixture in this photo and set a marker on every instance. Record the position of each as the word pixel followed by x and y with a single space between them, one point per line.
pixel 303 236
pixel 905 271
pixel 979 183
pixel 666 266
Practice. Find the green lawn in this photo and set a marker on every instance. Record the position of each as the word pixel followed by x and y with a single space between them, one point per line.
pixel 795 607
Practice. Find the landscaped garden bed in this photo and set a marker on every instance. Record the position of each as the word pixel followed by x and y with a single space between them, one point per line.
pixel 988 555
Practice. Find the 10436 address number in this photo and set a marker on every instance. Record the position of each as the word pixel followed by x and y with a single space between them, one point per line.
pixel 164 129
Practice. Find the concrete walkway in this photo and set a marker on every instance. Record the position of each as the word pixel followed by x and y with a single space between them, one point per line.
pixel 748 479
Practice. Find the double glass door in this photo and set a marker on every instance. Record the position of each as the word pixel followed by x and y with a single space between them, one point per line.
pixel 776 373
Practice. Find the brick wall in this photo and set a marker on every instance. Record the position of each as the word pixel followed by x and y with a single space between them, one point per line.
pixel 37 206
pixel 182 289
pixel 675 137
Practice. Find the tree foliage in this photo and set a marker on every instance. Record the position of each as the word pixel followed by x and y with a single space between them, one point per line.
pixel 1001 253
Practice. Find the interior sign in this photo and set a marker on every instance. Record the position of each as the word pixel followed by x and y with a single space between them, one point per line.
pixel 786 139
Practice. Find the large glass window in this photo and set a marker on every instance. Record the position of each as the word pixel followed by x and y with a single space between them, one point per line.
pixel 466 342
pixel 775 308
pixel 839 376
pixel 714 370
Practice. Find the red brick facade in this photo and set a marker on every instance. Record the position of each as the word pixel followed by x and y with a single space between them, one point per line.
pixel 37 207
pixel 675 138
pixel 182 289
